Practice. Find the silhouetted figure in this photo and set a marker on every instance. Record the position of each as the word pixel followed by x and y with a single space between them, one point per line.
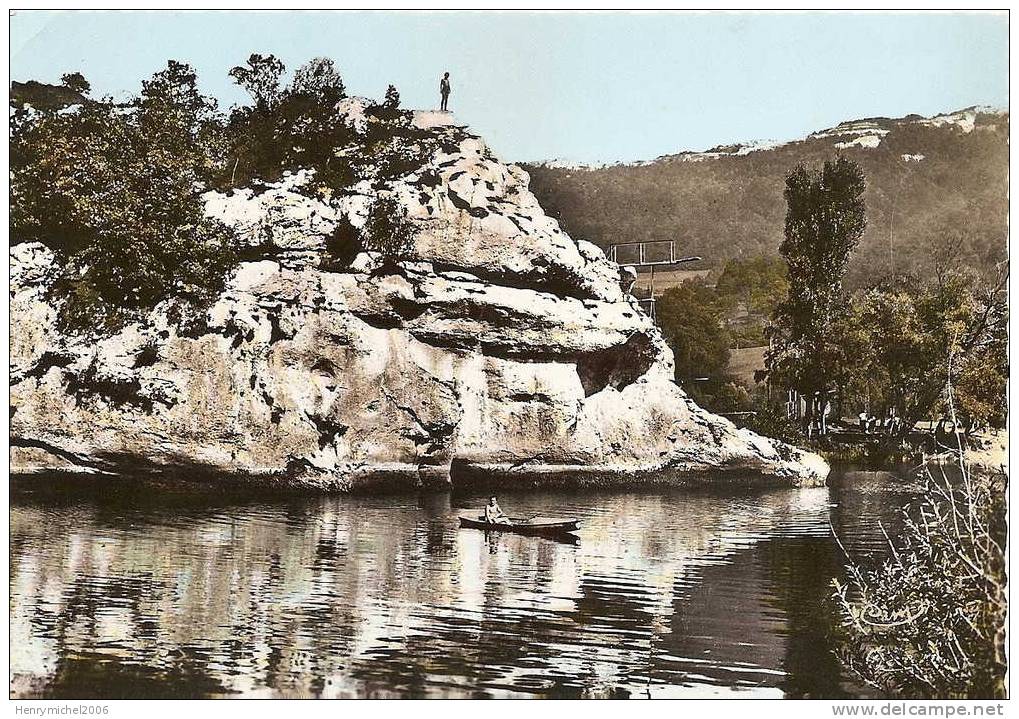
pixel 444 90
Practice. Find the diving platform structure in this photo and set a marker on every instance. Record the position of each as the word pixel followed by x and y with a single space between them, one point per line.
pixel 652 254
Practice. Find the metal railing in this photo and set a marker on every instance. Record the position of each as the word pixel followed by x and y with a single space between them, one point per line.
pixel 642 253
pixel 643 261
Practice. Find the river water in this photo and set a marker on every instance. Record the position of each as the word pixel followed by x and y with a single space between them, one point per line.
pixel 667 593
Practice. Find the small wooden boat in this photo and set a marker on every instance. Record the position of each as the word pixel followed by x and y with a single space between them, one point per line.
pixel 521 525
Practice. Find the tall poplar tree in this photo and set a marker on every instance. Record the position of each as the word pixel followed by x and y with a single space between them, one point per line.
pixel 825 218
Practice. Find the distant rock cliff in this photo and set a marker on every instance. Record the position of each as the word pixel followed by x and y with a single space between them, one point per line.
pixel 496 348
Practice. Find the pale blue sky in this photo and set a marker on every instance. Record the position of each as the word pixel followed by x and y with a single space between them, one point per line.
pixel 591 87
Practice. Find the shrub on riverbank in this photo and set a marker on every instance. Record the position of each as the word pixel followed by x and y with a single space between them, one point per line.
pixel 930 621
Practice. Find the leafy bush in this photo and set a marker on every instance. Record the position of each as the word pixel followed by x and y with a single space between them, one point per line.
pixel 286 128
pixel 115 191
pixel 388 230
pixel 75 81
pixel 690 317
pixel 930 621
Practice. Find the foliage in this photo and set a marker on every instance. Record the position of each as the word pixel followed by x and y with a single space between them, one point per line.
pixel 76 81
pixel 810 335
pixel 115 188
pixel 302 126
pixel 769 417
pixel 261 77
pixel 912 324
pixel 29 96
pixel 115 192
pixel 690 317
pixel 179 123
pixel 388 230
pixel 759 283
pixel 318 77
pixel 930 621
pixel 285 128
pixel 392 99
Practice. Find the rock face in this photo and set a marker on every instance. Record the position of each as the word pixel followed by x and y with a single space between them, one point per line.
pixel 496 348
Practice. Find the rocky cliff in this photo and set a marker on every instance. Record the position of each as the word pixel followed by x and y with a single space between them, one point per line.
pixel 493 347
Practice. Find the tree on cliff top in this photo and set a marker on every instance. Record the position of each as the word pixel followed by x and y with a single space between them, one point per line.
pixel 824 221
pixel 76 81
pixel 320 78
pixel 261 78
pixel 115 192
pixel 287 128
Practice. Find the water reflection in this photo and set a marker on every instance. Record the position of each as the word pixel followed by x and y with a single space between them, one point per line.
pixel 673 593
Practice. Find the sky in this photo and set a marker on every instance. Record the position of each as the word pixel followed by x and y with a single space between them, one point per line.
pixel 577 87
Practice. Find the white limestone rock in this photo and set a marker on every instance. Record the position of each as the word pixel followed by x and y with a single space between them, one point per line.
pixel 499 349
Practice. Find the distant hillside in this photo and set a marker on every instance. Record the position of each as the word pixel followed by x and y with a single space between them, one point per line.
pixel 937 187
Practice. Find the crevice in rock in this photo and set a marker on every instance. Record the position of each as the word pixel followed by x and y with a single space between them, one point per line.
pixel 409 310
pixel 530 397
pixel 515 221
pixel 48 360
pixel 328 430
pixel 276 333
pixel 52 449
pixel 378 320
pixel 325 366
pixel 432 436
pixel 445 340
pixel 555 281
pixel 616 366
pixel 118 390
pixel 462 204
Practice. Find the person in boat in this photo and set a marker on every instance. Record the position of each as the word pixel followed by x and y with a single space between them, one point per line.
pixel 494 514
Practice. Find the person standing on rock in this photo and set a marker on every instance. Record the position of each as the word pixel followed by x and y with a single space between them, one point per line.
pixel 444 90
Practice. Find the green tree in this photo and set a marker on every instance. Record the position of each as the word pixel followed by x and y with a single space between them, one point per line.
pixel 392 99
pixel 759 283
pixel 320 78
pixel 116 193
pixel 914 325
pixel 824 221
pixel 178 121
pixel 76 81
pixel 690 317
pixel 287 128
pixel 261 78
pixel 388 230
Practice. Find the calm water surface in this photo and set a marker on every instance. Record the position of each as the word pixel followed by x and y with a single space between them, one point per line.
pixel 671 593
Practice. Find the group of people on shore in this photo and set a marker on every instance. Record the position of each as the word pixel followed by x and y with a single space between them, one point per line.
pixel 891 423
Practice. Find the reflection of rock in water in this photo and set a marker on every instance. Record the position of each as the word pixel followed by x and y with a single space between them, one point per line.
pixel 358 597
